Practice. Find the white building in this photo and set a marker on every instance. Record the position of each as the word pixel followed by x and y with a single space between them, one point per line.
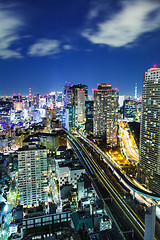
pixel 81 106
pixel 121 100
pixel 74 175
pixel 149 163
pixel 32 175
pixel 69 174
pixel 105 223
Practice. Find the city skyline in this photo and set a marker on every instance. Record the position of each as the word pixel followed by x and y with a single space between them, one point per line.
pixel 67 158
pixel 42 45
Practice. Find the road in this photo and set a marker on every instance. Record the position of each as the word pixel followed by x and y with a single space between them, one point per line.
pixel 128 143
pixel 120 212
pixel 116 169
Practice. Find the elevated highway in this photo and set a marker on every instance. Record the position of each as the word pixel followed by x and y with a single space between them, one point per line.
pixel 117 171
pixel 128 142
pixel 127 221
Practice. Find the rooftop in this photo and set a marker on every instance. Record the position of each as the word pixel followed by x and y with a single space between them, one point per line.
pixel 31 147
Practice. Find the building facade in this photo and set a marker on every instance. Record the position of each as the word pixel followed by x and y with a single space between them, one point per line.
pixel 32 175
pixel 81 118
pixel 129 109
pixel 105 113
pixel 149 163
pixel 89 116
pixel 74 112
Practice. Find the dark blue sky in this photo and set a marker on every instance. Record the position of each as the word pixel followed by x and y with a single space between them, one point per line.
pixel 45 43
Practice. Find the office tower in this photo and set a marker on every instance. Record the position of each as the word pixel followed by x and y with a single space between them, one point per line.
pixel 105 113
pixel 135 94
pixel 81 106
pixel 67 121
pixel 67 95
pixel 59 99
pixel 121 100
pixel 138 111
pixel 36 98
pixel 129 110
pixel 89 116
pixel 17 102
pixel 30 94
pixel 52 96
pixel 78 102
pixel 75 97
pixel 149 163
pixel 30 98
pixel 32 175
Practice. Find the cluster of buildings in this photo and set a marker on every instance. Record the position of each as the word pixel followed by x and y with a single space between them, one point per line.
pixel 98 116
pixel 72 109
pixel 25 112
pixel 130 108
pixel 33 143
pixel 66 178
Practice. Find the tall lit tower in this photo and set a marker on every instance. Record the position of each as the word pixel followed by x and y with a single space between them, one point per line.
pixel 81 106
pixel 30 97
pixel 105 113
pixel 149 163
pixel 135 95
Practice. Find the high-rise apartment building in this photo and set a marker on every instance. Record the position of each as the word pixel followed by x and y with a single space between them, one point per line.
pixel 105 113
pixel 67 95
pixel 32 174
pixel 75 97
pixel 149 163
pixel 81 107
pixel 80 96
pixel 89 116
pixel 68 109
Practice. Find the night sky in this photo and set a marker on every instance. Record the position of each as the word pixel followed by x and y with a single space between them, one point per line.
pixel 44 43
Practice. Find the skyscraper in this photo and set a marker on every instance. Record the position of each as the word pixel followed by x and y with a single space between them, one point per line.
pixel 32 174
pixel 75 97
pixel 59 99
pixel 105 113
pixel 68 108
pixel 149 163
pixel 80 96
pixel 89 116
pixel 67 95
pixel 81 107
pixel 129 109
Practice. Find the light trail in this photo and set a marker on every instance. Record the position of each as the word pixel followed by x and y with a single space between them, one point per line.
pixel 128 142
pixel 111 189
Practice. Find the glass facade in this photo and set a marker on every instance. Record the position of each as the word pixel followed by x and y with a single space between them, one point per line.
pixel 149 164
pixel 105 113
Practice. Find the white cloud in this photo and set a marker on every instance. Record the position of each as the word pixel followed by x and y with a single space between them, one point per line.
pixel 127 25
pixel 94 12
pixel 44 47
pixel 67 47
pixel 9 27
pixel 97 8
